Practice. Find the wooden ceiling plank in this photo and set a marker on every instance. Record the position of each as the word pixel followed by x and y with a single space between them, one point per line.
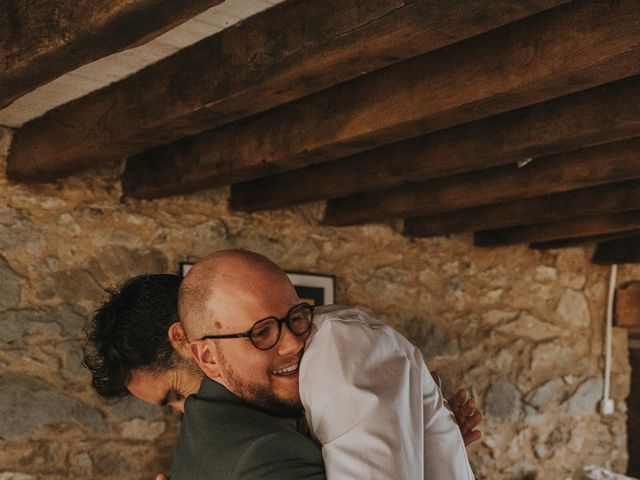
pixel 623 250
pixel 41 40
pixel 591 226
pixel 579 241
pixel 602 114
pixel 564 50
pixel 608 163
pixel 284 53
pixel 617 197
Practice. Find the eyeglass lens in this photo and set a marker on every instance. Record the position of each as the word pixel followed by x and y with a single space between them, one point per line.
pixel 265 334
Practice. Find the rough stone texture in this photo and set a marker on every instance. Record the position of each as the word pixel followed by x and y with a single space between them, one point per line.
pixel 19 233
pixel 502 401
pixel 585 399
pixel 10 284
pixel 20 326
pixel 81 465
pixel 130 408
pixel 521 329
pixel 138 429
pixel 573 309
pixel 15 476
pixel 550 392
pixel 27 405
pixel 529 327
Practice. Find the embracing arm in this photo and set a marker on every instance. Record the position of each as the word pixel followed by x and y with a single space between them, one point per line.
pixel 371 403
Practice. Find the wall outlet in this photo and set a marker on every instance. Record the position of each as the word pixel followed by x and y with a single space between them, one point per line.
pixel 607 407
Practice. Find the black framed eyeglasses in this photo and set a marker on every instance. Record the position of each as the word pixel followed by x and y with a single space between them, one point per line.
pixel 265 333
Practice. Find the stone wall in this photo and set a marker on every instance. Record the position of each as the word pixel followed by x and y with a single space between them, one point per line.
pixel 522 329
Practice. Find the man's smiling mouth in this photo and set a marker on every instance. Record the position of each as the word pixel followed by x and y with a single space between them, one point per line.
pixel 287 370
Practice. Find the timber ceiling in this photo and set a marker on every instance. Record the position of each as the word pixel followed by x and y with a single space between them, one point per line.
pixel 518 120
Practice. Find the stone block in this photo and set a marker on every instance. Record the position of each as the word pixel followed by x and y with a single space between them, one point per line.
pixel 431 339
pixel 550 392
pixel 17 325
pixel 71 318
pixel 11 331
pixel 138 429
pixel 545 355
pixel 573 309
pixel 8 216
pixel 494 317
pixel 81 465
pixel 545 274
pixel 19 234
pixel 113 462
pixel 10 286
pixel 586 397
pixel 27 405
pixel 111 266
pixel 72 286
pixel 492 296
pixel 503 362
pixel 130 407
pixel 16 476
pixel 594 472
pixel 529 327
pixel 502 401
pixel 45 330
pixel 72 356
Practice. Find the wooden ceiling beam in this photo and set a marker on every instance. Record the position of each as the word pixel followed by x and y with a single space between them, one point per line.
pixel 602 114
pixel 623 250
pixel 561 51
pixel 608 163
pixel 41 40
pixel 286 52
pixel 579 241
pixel 607 224
pixel 617 197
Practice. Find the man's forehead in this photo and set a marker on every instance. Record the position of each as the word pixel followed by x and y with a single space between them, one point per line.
pixel 248 305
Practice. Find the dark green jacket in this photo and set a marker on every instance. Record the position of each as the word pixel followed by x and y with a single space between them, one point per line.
pixel 224 438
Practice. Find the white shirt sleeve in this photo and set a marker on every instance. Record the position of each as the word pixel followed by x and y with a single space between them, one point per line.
pixel 374 407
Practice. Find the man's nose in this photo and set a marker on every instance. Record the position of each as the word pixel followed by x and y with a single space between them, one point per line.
pixel 289 343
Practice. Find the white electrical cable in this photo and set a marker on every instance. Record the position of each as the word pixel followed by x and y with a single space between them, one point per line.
pixel 608 341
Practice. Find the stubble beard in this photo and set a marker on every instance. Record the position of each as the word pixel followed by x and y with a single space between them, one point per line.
pixel 259 396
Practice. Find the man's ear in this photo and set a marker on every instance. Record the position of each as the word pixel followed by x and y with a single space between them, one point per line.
pixel 207 357
pixel 178 339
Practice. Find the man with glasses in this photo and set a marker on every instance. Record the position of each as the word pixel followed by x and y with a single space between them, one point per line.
pixel 368 397
pixel 160 369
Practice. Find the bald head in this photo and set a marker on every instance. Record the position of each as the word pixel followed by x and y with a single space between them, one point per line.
pixel 221 283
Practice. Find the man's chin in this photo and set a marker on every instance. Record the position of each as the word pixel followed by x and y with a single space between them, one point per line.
pixel 285 404
pixel 277 406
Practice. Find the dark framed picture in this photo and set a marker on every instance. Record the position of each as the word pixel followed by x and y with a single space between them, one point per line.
pixel 312 288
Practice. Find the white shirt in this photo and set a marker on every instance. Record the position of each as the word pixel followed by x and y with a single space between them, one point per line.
pixel 372 404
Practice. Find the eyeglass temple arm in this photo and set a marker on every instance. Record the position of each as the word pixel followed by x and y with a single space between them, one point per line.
pixel 233 335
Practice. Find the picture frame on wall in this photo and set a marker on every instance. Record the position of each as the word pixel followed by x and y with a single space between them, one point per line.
pixel 313 288
pixel 185 267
